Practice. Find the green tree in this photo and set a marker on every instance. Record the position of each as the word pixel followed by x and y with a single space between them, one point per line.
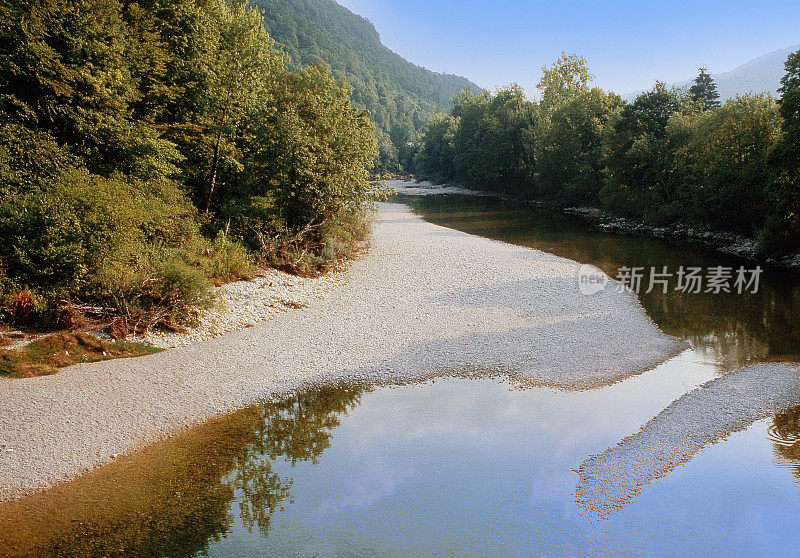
pixel 471 110
pixel 67 69
pixel 790 111
pixel 639 177
pixel 306 164
pixel 781 233
pixel 493 142
pixel 220 65
pixel 242 71
pixel 570 157
pixel 435 160
pixel 723 162
pixel 704 90
pixel 566 78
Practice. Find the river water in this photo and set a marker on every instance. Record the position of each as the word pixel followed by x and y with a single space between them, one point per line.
pixel 460 467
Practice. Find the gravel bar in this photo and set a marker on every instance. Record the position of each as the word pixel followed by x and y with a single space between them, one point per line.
pixel 424 300
pixel 700 418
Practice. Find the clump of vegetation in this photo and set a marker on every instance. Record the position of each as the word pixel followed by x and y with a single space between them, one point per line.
pixel 305 220
pixel 151 149
pixel 670 156
pixel 332 242
pixel 47 354
pixel 128 245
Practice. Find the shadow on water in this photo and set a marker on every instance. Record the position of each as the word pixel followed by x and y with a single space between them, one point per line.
pixel 174 498
pixel 730 329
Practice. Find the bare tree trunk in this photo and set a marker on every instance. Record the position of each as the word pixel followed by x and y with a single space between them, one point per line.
pixel 212 181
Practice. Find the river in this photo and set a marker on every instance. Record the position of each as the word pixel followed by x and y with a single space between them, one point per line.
pixel 463 467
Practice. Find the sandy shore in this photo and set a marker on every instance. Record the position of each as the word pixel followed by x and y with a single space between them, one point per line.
pixel 424 300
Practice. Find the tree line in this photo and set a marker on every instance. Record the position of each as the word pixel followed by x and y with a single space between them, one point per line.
pixel 670 156
pixel 151 147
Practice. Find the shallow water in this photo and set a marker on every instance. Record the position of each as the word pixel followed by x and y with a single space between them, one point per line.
pixel 459 467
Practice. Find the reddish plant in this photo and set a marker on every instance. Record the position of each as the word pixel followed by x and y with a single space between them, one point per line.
pixel 21 306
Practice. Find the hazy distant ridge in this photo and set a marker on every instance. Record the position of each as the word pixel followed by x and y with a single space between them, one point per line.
pixel 760 75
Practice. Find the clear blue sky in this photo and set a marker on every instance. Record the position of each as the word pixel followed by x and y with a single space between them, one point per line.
pixel 629 44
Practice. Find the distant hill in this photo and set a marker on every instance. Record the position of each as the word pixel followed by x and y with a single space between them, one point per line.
pixel 761 75
pixel 400 95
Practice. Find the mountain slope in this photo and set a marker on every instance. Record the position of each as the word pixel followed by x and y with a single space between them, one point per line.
pixel 400 95
pixel 760 75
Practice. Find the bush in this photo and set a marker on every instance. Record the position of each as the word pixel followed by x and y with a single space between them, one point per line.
pixel 156 285
pixel 318 250
pixel 130 245
pixel 779 236
pixel 226 260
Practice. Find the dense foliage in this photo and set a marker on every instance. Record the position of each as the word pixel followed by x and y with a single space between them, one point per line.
pixel 400 96
pixel 145 146
pixel 670 156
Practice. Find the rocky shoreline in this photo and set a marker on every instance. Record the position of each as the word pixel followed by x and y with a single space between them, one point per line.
pixel 724 242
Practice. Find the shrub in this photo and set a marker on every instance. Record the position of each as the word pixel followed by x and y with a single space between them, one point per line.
pixel 317 250
pixel 227 260
pixel 779 236
pixel 131 245
pixel 154 284
pixel 21 306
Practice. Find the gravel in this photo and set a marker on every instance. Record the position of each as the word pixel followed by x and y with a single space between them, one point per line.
pixel 247 303
pixel 701 417
pixel 425 300
pixel 425 188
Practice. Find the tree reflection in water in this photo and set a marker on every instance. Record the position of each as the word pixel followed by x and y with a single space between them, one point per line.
pixel 174 498
pixel 785 432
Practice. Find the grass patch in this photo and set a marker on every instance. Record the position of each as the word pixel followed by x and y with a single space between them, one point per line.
pixel 46 355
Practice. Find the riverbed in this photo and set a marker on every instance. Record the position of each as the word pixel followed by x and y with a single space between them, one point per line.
pixel 485 460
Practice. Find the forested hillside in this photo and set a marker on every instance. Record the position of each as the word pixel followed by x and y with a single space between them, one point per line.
pixel 151 148
pixel 400 96
pixel 670 156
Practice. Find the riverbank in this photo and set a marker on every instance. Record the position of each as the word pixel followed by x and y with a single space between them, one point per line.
pixel 724 242
pixel 237 305
pixel 425 300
